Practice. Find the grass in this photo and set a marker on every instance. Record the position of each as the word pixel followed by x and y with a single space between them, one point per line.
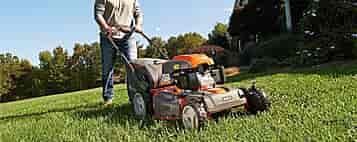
pixel 307 105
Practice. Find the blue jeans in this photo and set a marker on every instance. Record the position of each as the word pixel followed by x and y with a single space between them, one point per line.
pixel 109 54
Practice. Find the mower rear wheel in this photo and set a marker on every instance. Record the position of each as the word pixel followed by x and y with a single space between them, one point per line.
pixel 190 117
pixel 139 106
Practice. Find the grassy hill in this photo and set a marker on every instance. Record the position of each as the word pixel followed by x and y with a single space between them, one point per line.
pixel 307 105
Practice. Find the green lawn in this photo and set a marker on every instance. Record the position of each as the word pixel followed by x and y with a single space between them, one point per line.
pixel 309 105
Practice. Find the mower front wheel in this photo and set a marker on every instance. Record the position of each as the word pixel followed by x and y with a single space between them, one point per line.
pixel 191 117
pixel 139 106
pixel 258 101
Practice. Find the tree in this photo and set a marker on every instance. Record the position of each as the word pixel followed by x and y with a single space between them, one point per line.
pixel 328 26
pixel 42 75
pixel 152 51
pixel 15 79
pixel 24 82
pixel 260 18
pixel 84 67
pixel 53 70
pixel 172 46
pixel 218 36
pixel 45 59
pixel 298 8
pixel 58 72
pixel 185 43
pixel 6 83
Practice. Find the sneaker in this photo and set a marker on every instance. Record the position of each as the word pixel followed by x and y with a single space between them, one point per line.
pixel 108 103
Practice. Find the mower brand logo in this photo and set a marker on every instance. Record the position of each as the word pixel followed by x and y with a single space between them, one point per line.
pixel 176 66
pixel 227 98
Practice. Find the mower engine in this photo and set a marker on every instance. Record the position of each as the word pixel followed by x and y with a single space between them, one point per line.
pixel 188 88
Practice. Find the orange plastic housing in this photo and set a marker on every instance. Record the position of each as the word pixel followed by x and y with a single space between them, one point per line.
pixel 217 90
pixel 169 89
pixel 195 59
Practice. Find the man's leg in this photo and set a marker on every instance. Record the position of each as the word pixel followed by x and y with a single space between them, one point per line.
pixel 108 58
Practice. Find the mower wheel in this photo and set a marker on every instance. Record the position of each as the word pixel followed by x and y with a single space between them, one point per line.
pixel 190 117
pixel 257 101
pixel 139 106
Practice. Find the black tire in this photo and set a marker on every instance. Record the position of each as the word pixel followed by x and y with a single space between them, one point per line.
pixel 140 106
pixel 258 101
pixel 190 117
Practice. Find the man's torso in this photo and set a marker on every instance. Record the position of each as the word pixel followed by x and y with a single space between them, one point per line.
pixel 119 12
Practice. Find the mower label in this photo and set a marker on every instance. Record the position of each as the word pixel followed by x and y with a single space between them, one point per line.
pixel 176 66
pixel 227 98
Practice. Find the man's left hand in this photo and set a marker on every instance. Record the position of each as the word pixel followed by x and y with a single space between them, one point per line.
pixel 138 29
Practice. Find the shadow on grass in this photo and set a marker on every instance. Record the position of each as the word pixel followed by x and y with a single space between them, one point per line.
pixel 38 114
pixel 337 69
pixel 228 114
pixel 122 114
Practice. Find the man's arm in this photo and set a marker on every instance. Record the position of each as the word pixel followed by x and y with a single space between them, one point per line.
pixel 99 8
pixel 138 15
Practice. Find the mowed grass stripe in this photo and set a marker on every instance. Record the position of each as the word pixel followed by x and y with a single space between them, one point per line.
pixel 308 105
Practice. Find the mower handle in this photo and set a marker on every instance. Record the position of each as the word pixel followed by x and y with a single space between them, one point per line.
pixel 146 38
pixel 126 60
pixel 132 30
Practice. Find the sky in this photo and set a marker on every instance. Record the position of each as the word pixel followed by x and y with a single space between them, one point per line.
pixel 30 26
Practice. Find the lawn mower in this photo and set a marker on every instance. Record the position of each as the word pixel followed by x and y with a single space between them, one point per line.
pixel 188 89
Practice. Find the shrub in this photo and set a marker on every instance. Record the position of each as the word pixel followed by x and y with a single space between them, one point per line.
pixel 278 48
pixel 354 48
pixel 263 64
pixel 327 26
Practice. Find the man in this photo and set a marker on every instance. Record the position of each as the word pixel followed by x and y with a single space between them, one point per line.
pixel 116 19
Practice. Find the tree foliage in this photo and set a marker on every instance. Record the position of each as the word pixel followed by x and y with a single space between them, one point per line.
pixel 255 17
pixel 152 51
pixel 57 72
pixel 60 72
pixel 182 43
pixel 328 26
pixel 14 77
pixel 84 67
pixel 218 36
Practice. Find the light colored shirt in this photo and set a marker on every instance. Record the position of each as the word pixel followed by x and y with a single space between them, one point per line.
pixel 118 13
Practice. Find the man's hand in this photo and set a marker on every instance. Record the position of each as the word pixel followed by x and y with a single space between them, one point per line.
pixel 138 29
pixel 109 31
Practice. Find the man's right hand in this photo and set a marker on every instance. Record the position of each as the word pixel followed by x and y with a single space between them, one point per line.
pixel 109 31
